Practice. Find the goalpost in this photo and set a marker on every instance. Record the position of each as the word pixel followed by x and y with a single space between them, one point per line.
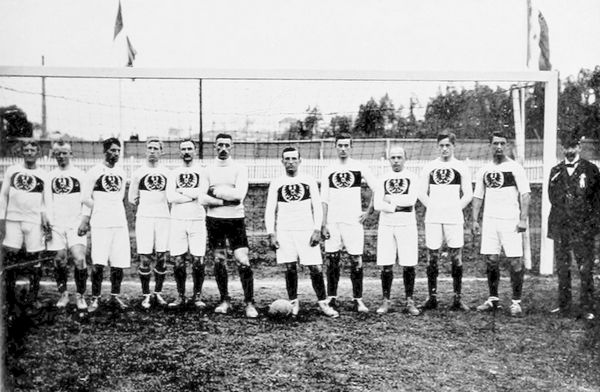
pixel 190 114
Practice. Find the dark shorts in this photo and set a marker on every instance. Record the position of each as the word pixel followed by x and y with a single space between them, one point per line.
pixel 221 230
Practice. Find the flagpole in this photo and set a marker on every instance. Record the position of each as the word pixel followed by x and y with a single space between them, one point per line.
pixel 120 137
pixel 200 133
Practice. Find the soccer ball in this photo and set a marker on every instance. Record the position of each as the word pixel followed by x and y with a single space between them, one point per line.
pixel 280 308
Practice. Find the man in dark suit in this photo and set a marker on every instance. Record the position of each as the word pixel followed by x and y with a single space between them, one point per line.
pixel 574 223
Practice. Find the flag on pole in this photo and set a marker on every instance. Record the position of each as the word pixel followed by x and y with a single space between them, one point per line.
pixel 118 22
pixel 544 61
pixel 538 42
pixel 121 39
pixel 131 52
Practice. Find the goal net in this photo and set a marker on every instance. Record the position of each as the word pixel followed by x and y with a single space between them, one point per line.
pixel 265 111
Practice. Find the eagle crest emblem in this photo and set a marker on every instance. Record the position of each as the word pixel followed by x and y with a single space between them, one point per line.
pixel 493 179
pixel 155 182
pixel 396 186
pixel 443 176
pixel 187 180
pixel 343 179
pixel 292 192
pixel 111 183
pixel 25 182
pixel 61 185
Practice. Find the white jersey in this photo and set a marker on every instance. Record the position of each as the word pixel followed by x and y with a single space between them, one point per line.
pixel 66 186
pixel 296 202
pixel 501 185
pixel 341 190
pixel 25 195
pixel 229 179
pixel 396 189
pixel 103 192
pixel 443 182
pixel 148 189
pixel 184 189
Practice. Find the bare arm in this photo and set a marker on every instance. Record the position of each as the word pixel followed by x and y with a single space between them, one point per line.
pixel 324 229
pixel 522 225
pixel 477 202
pixel 467 189
pixel 424 187
pixel 134 190
pixel 4 194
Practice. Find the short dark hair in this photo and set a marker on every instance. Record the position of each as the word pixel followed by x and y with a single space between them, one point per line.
pixel 501 134
pixel 223 136
pixel 109 142
pixel 447 135
pixel 186 140
pixel 30 142
pixel 343 135
pixel 288 149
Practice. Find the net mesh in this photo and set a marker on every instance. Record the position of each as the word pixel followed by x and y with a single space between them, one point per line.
pixel 264 117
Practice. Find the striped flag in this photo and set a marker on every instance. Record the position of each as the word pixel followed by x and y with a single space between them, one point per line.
pixel 544 61
pixel 119 27
pixel 131 52
pixel 538 42
pixel 118 22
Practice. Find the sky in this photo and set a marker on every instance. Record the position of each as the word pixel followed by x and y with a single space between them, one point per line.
pixel 387 35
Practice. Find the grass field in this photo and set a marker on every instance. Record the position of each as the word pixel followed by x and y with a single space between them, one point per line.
pixel 185 350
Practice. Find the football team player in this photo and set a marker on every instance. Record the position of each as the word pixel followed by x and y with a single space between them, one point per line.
pixel 228 185
pixel 397 236
pixel 185 189
pixel 502 185
pixel 25 202
pixel 104 215
pixel 343 218
pixel 148 193
pixel 293 217
pixel 66 182
pixel 446 189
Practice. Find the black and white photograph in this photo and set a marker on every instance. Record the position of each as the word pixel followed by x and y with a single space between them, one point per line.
pixel 393 195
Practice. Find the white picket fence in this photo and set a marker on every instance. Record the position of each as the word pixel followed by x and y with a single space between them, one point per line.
pixel 263 170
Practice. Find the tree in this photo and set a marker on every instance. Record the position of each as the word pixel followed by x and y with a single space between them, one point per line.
pixel 13 124
pixel 370 120
pixel 311 122
pixel 472 113
pixel 579 104
pixel 339 124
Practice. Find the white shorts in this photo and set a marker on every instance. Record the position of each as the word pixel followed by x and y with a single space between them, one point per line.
pixel 436 233
pixel 497 234
pixel 294 245
pixel 401 241
pixel 65 238
pixel 110 246
pixel 187 234
pixel 349 235
pixel 29 233
pixel 151 234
